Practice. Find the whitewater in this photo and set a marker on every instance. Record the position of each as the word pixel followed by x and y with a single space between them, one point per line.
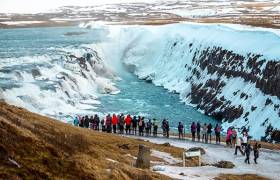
pixel 49 79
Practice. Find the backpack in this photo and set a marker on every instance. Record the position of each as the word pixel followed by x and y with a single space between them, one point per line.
pixel 218 129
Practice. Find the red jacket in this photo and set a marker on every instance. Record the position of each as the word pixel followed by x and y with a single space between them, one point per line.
pixel 128 120
pixel 115 120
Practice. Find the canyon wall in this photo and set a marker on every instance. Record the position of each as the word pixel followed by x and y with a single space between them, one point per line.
pixel 231 73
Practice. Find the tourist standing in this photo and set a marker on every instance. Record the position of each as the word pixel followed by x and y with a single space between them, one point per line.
pixel 198 127
pixel 141 125
pixel 155 125
pixel 218 134
pixel 149 127
pixel 256 149
pixel 76 121
pixel 81 121
pixel 108 123
pixel 134 125
pixel 233 135
pixel 248 150
pixel 114 122
pixel 238 146
pixel 228 137
pixel 209 133
pixel 180 130
pixel 103 126
pixel 96 122
pixel 204 132
pixel 128 124
pixel 193 131
pixel 86 125
pixel 91 122
pixel 167 128
pixel 121 123
pixel 163 126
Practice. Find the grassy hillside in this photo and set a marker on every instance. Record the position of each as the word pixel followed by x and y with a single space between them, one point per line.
pixel 44 148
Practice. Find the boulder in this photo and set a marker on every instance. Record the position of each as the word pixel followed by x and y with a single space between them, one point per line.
pixel 143 158
pixel 3 154
pixel 124 146
pixel 202 151
pixel 158 168
pixel 35 73
pixel 224 164
pixel 166 144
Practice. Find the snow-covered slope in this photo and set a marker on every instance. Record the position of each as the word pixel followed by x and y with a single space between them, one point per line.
pixel 230 73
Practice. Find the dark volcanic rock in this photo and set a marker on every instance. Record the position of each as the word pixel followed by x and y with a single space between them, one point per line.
pixel 124 146
pixel 202 151
pixel 224 164
pixel 35 73
pixel 223 64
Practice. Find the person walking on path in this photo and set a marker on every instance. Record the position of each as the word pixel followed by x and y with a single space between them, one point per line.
pixel 248 150
pixel 155 125
pixel 218 134
pixel 238 146
pixel 198 127
pixel 180 130
pixel 244 140
pixel 134 125
pixel 114 122
pixel 256 150
pixel 209 133
pixel 193 131
pixel 204 132
pixel 128 124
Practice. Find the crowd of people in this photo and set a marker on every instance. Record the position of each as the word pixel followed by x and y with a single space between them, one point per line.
pixel 242 144
pixel 131 125
pixel 122 124
pixel 205 131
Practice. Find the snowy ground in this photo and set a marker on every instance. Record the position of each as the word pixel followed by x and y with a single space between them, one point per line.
pixel 263 13
pixel 268 163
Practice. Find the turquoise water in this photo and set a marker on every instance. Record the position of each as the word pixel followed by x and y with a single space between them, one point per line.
pixel 137 97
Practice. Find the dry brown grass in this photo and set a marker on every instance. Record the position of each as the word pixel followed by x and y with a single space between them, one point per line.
pixel 267 22
pixel 240 177
pixel 257 6
pixel 48 149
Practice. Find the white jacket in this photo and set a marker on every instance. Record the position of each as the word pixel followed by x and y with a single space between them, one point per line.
pixel 245 139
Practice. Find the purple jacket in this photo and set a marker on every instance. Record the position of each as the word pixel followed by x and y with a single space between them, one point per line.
pixel 193 128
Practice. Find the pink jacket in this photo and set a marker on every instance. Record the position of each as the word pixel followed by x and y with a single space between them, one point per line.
pixel 229 133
